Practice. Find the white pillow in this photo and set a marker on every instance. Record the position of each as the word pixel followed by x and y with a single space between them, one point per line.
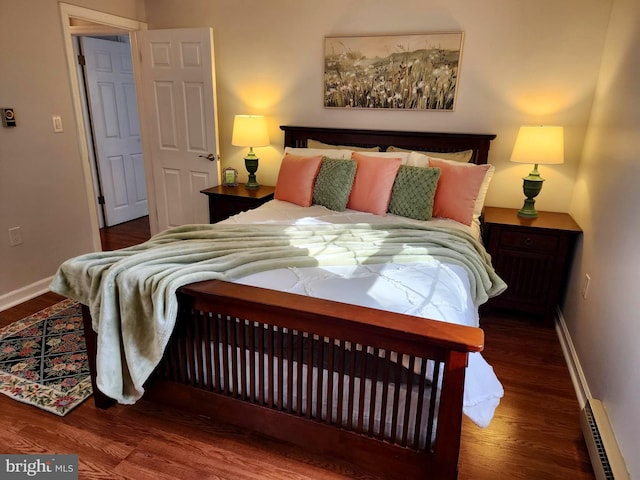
pixel 417 159
pixel 311 152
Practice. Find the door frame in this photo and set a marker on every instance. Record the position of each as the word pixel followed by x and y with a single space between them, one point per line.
pixel 83 21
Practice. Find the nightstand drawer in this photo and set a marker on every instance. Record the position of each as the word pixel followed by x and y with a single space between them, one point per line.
pixel 529 241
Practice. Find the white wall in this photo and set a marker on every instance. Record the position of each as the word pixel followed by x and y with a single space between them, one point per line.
pixel 606 326
pixel 41 183
pixel 523 62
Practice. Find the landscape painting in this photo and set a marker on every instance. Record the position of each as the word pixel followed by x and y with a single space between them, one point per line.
pixel 408 72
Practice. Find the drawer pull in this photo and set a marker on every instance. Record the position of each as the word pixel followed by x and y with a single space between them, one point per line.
pixel 540 242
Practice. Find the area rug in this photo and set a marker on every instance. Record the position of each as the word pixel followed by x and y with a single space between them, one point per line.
pixel 43 359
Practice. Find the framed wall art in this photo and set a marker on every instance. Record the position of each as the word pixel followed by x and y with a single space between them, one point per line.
pixel 406 72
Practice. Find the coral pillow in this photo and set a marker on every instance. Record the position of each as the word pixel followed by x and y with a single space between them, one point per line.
pixel 296 178
pixel 458 189
pixel 372 186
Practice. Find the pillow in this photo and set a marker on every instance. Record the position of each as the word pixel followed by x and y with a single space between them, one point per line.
pixel 403 156
pixel 372 186
pixel 463 156
pixel 417 159
pixel 482 194
pixel 312 152
pixel 413 192
pixel 459 189
pixel 333 184
pixel 316 144
pixel 296 178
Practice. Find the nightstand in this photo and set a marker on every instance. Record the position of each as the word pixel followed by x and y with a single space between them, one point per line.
pixel 227 201
pixel 533 256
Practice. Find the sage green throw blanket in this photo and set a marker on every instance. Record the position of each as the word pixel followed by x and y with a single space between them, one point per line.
pixel 131 293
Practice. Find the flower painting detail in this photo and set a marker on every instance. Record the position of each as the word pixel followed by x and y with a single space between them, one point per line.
pixel 410 72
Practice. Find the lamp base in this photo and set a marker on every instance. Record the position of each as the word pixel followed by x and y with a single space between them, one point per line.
pixel 528 209
pixel 251 183
pixel 531 187
pixel 251 163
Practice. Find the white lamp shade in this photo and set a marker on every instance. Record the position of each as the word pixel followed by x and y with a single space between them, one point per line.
pixel 542 145
pixel 250 131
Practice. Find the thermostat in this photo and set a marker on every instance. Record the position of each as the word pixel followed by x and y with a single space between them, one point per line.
pixel 8 117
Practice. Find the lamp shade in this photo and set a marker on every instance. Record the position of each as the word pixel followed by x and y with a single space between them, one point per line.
pixel 542 145
pixel 250 131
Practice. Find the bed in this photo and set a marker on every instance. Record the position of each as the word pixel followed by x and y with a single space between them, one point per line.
pixel 343 375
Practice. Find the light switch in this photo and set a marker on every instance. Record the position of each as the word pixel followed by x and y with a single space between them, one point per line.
pixel 57 124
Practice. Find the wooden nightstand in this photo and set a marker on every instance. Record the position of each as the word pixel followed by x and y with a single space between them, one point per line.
pixel 533 256
pixel 227 201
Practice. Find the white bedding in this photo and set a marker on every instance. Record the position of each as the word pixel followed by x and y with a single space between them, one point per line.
pixel 435 290
pixel 131 292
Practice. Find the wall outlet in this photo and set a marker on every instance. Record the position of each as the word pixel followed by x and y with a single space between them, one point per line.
pixel 15 236
pixel 585 285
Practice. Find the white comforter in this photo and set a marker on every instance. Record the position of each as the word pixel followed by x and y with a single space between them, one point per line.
pixel 438 291
pixel 435 273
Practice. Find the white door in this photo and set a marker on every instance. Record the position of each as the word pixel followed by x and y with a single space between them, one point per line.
pixel 180 123
pixel 114 112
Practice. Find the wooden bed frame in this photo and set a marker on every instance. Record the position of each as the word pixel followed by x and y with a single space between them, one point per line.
pixel 287 338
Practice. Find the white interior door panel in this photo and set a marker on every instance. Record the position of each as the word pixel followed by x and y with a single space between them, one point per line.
pixel 179 104
pixel 116 130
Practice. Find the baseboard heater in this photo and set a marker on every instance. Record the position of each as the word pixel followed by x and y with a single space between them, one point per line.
pixel 605 455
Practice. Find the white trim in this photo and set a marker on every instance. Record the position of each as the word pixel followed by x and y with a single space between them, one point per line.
pixel 583 393
pixel 573 362
pixel 144 134
pixel 67 12
pixel 23 294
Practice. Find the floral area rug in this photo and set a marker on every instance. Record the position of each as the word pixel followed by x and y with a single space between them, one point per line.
pixel 43 359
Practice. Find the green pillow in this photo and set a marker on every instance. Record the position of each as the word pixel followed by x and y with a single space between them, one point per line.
pixel 413 192
pixel 333 183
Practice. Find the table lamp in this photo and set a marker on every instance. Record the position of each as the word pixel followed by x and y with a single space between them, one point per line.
pixel 250 131
pixel 539 145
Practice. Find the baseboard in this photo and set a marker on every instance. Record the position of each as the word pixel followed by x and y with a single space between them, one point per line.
pixel 571 357
pixel 23 294
pixel 605 455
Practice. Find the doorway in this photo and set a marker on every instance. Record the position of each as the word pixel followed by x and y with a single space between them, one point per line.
pixel 179 128
pixel 78 21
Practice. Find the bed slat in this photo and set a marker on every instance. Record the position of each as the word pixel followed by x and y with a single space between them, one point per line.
pixel 365 371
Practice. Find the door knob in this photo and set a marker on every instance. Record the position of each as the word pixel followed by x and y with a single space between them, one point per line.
pixel 211 157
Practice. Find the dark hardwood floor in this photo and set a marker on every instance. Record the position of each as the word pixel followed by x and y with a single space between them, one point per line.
pixel 535 433
pixel 125 234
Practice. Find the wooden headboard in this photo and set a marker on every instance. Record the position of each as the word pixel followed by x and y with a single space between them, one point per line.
pixel 419 141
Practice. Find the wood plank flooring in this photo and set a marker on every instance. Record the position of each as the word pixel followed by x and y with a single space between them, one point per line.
pixel 535 433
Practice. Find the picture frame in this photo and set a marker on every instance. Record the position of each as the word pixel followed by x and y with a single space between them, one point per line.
pixel 230 177
pixel 402 72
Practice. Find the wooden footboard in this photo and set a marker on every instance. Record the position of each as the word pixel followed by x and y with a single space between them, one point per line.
pixel 379 389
